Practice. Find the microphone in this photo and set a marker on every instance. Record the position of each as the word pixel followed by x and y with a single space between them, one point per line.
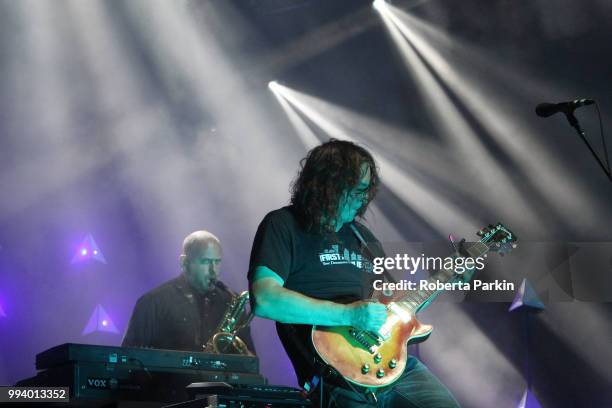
pixel 544 110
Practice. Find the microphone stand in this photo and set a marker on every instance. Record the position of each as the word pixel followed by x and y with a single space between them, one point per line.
pixel 573 121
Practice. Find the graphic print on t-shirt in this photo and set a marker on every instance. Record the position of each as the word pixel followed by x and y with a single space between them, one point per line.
pixel 334 256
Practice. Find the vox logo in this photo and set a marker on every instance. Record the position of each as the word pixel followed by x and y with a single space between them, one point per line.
pixel 97 382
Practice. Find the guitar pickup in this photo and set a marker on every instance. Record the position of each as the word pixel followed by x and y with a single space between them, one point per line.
pixel 397 313
pixel 365 339
pixel 400 312
pixel 376 337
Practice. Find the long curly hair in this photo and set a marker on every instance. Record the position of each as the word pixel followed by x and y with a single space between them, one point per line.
pixel 328 172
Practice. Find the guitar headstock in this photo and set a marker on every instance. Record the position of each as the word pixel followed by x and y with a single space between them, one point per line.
pixel 498 238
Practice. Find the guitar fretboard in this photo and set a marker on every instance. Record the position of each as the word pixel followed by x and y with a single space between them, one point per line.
pixel 417 300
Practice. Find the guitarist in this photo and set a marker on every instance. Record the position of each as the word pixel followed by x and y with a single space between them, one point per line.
pixel 311 264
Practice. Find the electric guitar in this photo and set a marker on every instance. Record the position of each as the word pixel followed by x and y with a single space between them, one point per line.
pixel 377 359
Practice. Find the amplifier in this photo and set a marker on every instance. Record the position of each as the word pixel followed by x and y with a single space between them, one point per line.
pixel 88 380
pixel 130 356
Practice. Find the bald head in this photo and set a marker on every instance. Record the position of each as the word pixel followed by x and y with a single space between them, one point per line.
pixel 201 259
pixel 197 240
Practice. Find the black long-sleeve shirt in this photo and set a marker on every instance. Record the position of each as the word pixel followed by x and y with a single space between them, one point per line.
pixel 174 316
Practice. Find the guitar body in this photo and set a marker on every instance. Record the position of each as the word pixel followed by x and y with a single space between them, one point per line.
pixel 346 351
pixel 375 360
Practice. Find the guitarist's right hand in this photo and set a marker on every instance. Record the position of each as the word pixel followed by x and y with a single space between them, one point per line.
pixel 366 315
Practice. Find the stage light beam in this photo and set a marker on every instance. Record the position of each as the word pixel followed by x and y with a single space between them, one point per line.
pixel 378 4
pixel 484 173
pixel 439 213
pixel 469 73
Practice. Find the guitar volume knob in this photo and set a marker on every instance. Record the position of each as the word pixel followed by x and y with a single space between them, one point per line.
pixel 392 363
pixel 377 358
pixel 380 373
pixel 365 368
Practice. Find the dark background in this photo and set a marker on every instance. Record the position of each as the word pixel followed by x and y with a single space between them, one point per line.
pixel 139 122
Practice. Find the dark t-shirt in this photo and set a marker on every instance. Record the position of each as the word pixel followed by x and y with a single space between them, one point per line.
pixel 331 266
pixel 173 316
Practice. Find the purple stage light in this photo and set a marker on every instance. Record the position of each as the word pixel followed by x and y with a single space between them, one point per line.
pixel 529 401
pixel 88 250
pixel 526 297
pixel 2 314
pixel 100 321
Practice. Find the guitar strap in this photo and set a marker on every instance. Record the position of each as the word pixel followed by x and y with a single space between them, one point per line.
pixel 369 253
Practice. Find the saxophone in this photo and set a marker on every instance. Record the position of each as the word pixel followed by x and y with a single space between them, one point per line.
pixel 225 340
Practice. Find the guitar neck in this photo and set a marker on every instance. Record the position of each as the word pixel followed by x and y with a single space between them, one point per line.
pixel 418 300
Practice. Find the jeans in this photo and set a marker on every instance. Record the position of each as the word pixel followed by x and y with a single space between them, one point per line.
pixel 416 388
